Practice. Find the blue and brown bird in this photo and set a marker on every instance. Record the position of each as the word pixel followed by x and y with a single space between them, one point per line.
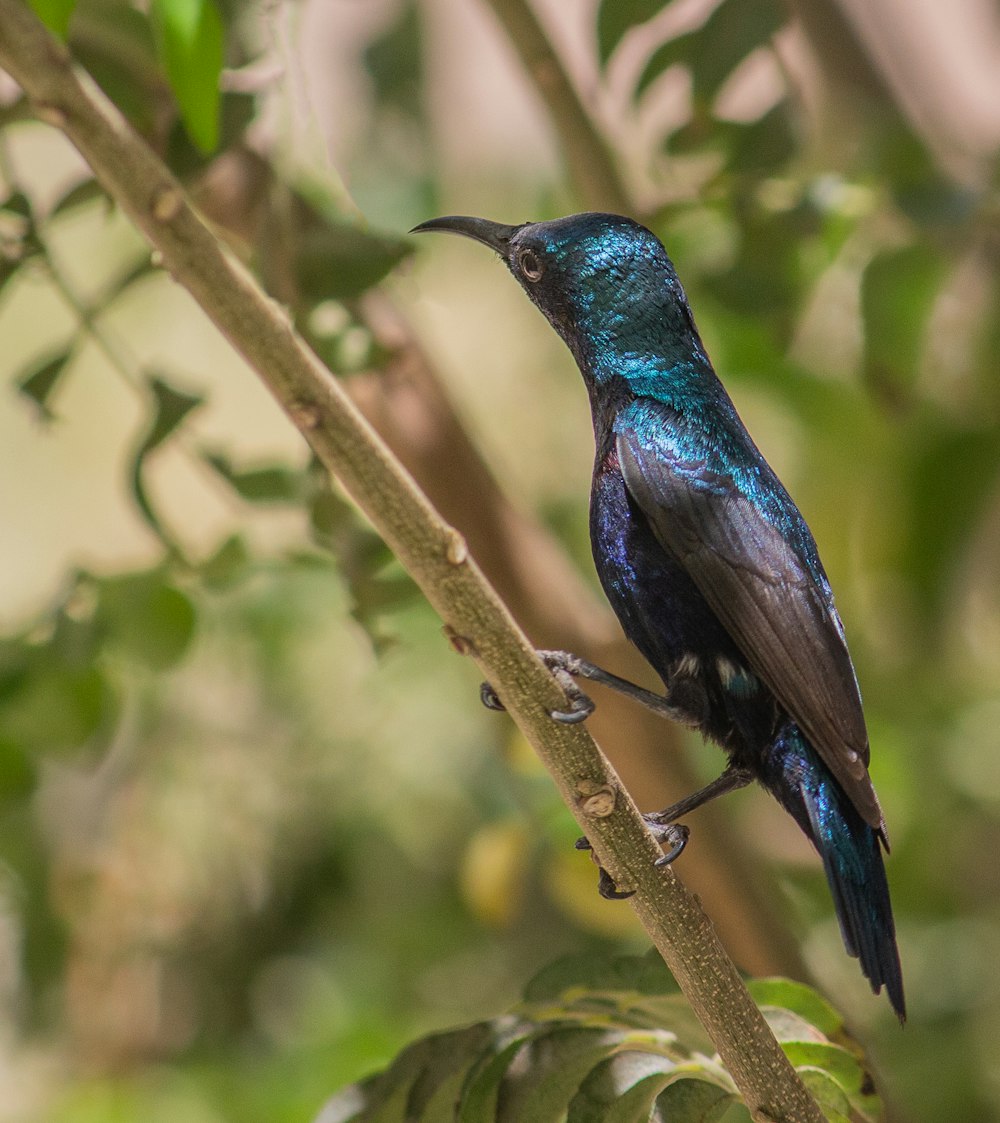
pixel 706 560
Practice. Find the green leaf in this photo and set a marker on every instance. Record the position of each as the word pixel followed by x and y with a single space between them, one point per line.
pixel 339 260
pixel 55 14
pixel 763 146
pixel 897 293
pixel 17 770
pixel 733 31
pixel 275 483
pixel 84 192
pixel 616 17
pixel 800 999
pixel 114 42
pixel 190 42
pixel 148 620
pixel 591 1046
pixel 227 565
pixel 547 1073
pixel 395 62
pixel 171 406
pixel 41 380
pixel 53 707
pixel 671 53
pixel 689 1100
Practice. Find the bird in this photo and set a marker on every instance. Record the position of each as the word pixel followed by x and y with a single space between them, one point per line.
pixel 706 561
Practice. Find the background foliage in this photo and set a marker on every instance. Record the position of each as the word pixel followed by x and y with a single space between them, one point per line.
pixel 256 832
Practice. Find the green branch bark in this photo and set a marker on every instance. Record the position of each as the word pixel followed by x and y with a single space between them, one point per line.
pixel 433 551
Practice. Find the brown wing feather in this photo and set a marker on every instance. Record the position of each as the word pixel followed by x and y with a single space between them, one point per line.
pixel 768 602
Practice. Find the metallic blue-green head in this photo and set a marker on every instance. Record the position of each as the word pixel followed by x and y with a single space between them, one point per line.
pixel 604 282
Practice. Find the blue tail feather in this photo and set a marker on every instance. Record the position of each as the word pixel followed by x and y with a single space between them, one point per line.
pixel 852 857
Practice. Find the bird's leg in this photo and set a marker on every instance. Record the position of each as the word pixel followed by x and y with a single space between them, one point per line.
pixel 566 667
pixel 666 829
pixel 666 820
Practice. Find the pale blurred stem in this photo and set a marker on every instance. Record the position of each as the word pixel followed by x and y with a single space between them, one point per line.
pixel 432 551
pixel 591 165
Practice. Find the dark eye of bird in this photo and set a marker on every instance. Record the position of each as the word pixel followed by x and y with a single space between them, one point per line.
pixel 531 267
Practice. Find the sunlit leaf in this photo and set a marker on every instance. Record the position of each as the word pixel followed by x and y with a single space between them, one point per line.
pixel 190 41
pixel 800 999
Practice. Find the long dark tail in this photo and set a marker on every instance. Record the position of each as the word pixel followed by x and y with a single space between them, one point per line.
pixel 852 857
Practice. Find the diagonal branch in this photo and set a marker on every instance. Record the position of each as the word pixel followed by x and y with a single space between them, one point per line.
pixel 434 552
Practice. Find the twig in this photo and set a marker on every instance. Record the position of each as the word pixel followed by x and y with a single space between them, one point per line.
pixel 590 164
pixel 434 553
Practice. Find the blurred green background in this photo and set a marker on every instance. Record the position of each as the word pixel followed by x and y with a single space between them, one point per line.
pixel 256 832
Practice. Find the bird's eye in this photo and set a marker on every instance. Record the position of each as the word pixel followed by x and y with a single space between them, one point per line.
pixel 531 267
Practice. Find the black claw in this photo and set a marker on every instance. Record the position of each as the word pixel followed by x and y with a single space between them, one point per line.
pixel 583 844
pixel 574 716
pixel 608 890
pixel 489 698
pixel 677 835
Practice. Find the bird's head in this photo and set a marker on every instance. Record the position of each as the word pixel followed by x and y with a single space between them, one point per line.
pixel 604 282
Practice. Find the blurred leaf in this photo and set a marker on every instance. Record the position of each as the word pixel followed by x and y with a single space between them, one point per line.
pixel 53 707
pixel 615 17
pixel 897 293
pixel 114 42
pixel 338 260
pixel 141 267
pixel 276 483
pixel 734 30
pixel 55 14
pixel 670 53
pixel 227 564
pixel 147 619
pixel 186 158
pixel 394 61
pixel 17 769
pixel 951 479
pixel 41 380
pixel 18 243
pixel 190 41
pixel 170 406
pixel 764 145
pixel 83 192
pixel 19 204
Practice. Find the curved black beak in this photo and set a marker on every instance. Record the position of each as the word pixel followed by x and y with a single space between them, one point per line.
pixel 493 234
